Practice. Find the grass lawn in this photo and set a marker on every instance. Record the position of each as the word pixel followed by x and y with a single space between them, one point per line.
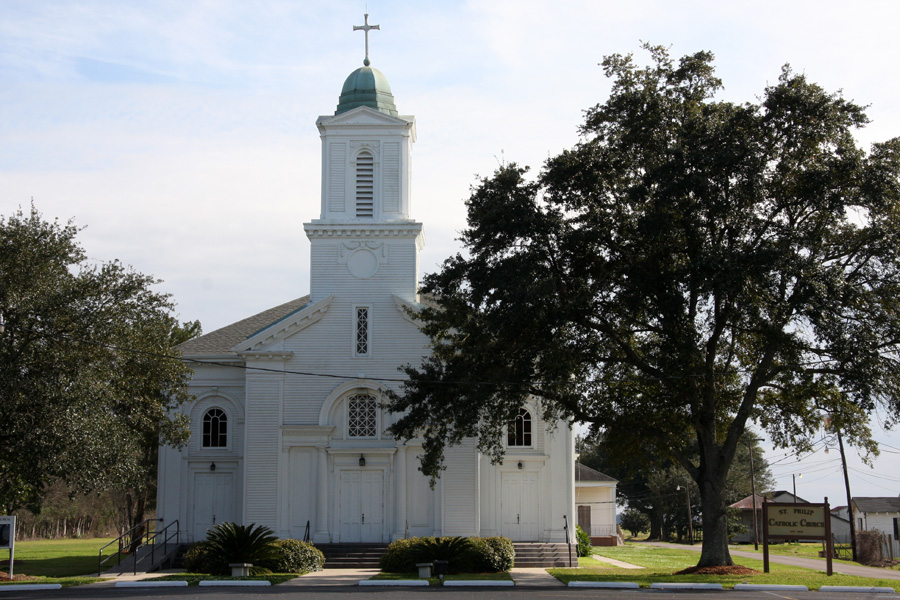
pixel 195 578
pixel 661 564
pixel 804 550
pixel 55 558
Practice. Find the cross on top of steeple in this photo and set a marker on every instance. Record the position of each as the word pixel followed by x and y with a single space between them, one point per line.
pixel 366 28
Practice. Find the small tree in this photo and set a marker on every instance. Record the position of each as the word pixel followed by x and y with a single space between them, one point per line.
pixel 635 521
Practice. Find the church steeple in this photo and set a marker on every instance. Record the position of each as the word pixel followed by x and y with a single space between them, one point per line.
pixel 365 235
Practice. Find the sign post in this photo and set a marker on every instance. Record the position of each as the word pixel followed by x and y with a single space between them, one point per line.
pixel 795 521
pixel 8 538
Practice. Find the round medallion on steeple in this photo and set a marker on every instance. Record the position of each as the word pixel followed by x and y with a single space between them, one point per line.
pixel 367 86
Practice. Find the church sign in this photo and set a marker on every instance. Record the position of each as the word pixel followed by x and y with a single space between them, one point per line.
pixel 796 521
pixel 8 538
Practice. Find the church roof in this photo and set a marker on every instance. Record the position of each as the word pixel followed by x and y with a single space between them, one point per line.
pixel 367 86
pixel 221 341
pixel 747 503
pixel 584 473
pixel 874 504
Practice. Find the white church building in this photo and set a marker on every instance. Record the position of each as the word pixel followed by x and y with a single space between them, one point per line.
pixel 287 425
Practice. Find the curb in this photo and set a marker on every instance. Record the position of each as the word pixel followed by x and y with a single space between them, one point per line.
pixel 763 587
pixel 142 584
pixel 616 585
pixel 234 582
pixel 686 586
pixel 854 588
pixel 18 587
pixel 394 582
pixel 479 583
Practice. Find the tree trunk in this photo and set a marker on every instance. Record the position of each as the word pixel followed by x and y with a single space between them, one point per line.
pixel 715 522
pixel 655 525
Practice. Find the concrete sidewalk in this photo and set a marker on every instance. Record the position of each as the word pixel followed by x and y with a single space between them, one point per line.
pixel 797 561
pixel 140 576
pixel 331 577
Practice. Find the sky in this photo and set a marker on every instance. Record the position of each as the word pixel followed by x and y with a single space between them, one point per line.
pixel 181 135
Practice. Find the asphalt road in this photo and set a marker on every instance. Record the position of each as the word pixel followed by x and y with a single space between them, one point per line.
pixel 435 593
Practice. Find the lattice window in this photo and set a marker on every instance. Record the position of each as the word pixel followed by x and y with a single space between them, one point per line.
pixel 215 428
pixel 362 416
pixel 362 331
pixel 365 186
pixel 519 431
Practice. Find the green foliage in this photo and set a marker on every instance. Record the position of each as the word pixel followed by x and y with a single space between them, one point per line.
pixel 295 556
pixel 491 554
pixel 401 555
pixel 735 525
pixel 232 543
pixel 692 265
pixel 583 541
pixel 85 377
pixel 464 555
pixel 200 559
pixel 635 521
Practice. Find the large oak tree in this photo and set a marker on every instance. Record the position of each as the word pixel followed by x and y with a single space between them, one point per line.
pixel 87 376
pixel 691 265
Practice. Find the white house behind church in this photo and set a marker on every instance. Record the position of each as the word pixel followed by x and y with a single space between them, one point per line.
pixel 287 427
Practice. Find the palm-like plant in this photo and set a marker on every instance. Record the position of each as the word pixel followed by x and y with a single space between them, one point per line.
pixel 233 543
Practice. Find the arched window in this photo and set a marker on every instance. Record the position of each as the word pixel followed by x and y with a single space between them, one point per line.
pixel 519 431
pixel 362 416
pixel 365 185
pixel 215 428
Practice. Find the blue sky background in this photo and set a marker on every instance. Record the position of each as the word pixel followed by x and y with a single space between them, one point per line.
pixel 182 134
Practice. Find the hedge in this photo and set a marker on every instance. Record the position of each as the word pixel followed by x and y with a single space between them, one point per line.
pixel 464 555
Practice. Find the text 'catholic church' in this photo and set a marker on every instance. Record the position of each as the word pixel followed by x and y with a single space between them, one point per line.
pixel 277 444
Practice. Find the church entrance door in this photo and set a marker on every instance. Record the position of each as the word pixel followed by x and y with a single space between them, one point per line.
pixel 519 505
pixel 362 506
pixel 213 501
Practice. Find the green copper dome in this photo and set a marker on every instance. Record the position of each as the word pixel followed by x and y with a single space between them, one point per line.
pixel 367 86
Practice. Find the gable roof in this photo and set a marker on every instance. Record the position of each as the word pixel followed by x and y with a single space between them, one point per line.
pixel 583 473
pixel 747 503
pixel 221 341
pixel 889 504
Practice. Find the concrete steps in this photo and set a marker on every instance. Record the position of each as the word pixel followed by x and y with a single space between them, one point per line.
pixel 352 556
pixel 530 554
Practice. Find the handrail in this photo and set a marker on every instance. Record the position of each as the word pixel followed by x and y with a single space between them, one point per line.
pixel 568 540
pixel 146 537
pixel 306 533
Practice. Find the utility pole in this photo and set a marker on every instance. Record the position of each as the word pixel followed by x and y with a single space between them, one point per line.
pixel 794 476
pixel 687 492
pixel 849 499
pixel 753 492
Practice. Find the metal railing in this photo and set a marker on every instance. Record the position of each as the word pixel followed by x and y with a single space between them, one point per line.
pixel 137 537
pixel 306 533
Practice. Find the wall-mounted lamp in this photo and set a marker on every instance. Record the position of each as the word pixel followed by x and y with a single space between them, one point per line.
pixel 362 460
pixel 520 465
pixel 212 466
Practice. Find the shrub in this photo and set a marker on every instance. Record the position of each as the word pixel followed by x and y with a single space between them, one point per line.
pixel 469 555
pixel 295 556
pixel 868 546
pixel 199 559
pixel 233 543
pixel 491 555
pixel 584 541
pixel 400 556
